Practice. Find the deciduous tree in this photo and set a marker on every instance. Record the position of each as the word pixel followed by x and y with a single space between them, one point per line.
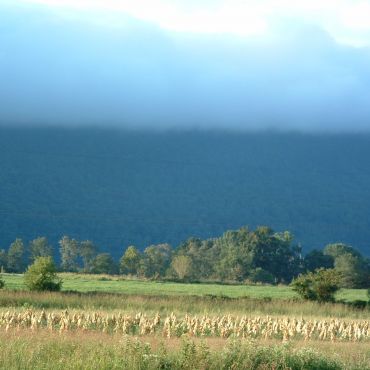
pixel 182 266
pixel 103 263
pixel 40 247
pixel 130 261
pixel 69 249
pixel 16 253
pixel 87 252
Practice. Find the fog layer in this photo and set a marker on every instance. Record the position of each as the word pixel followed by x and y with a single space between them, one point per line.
pixel 58 70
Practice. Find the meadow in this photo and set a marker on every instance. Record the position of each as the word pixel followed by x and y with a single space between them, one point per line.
pixel 84 283
pixel 106 322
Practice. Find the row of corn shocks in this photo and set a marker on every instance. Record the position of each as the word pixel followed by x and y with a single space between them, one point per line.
pixel 218 326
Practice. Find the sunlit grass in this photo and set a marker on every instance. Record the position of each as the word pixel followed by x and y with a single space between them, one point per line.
pixel 42 349
pixel 116 284
pixel 112 293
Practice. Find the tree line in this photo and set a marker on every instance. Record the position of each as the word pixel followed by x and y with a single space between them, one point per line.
pixel 244 255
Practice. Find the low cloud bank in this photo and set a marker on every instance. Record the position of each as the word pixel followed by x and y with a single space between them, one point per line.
pixel 67 71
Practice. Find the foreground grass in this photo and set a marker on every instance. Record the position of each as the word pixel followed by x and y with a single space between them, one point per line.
pixel 44 350
pixel 115 284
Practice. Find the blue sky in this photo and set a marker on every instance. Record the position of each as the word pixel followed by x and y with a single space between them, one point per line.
pixel 290 65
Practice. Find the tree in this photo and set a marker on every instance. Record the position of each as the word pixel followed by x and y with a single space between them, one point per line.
pixel 103 263
pixel 203 256
pixel 130 261
pixel 241 251
pixel 40 247
pixel 233 255
pixel 16 256
pixel 41 275
pixel 337 249
pixel 3 259
pixel 317 259
pixel 353 268
pixel 320 285
pixel 68 253
pixel 182 266
pixel 156 260
pixel 87 253
pixel 354 271
pixel 275 253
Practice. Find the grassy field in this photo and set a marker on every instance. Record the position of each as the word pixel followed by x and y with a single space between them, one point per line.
pixel 28 344
pixel 111 284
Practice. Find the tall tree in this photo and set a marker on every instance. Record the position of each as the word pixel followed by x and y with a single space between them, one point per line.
pixel 87 252
pixel 69 249
pixel 16 253
pixel 182 266
pixel 203 256
pixel 234 254
pixel 40 247
pixel 156 260
pixel 275 253
pixel 104 264
pixel 353 270
pixel 130 261
pixel 3 260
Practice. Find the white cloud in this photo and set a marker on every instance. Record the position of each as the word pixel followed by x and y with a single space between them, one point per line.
pixel 347 21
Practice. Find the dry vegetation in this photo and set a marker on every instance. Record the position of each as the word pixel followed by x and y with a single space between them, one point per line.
pixel 226 326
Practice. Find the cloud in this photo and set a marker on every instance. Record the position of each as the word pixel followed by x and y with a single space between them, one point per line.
pixel 61 68
pixel 347 21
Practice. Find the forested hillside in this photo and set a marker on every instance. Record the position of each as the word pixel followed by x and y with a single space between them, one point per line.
pixel 119 188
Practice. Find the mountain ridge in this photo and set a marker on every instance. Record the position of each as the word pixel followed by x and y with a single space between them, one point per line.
pixel 121 187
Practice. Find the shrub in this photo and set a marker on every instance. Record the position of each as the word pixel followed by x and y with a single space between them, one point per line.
pixel 2 282
pixel 320 285
pixel 41 275
pixel 260 275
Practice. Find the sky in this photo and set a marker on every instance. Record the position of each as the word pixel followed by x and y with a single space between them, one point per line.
pixel 231 64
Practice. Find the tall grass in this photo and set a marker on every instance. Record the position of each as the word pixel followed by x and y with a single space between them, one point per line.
pixel 39 351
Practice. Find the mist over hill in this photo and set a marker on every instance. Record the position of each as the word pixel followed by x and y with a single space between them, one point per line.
pixel 119 187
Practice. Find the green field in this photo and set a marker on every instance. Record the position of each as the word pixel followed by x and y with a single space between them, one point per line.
pixel 106 296
pixel 108 284
pixel 112 293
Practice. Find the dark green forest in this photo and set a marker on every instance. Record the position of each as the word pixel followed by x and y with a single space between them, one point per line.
pixel 121 188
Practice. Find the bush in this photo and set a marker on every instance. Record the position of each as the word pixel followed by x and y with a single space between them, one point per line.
pixel 260 275
pixel 41 275
pixel 2 282
pixel 320 285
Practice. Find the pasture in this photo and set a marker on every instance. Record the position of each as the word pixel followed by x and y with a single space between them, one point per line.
pixel 84 283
